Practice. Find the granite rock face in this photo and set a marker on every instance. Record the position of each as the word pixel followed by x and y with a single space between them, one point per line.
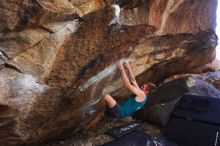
pixel 172 16
pixel 44 87
pixel 58 58
pixel 17 15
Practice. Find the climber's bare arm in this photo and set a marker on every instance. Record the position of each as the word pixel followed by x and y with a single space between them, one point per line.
pixel 127 83
pixel 131 75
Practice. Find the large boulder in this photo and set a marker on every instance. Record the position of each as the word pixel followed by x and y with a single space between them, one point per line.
pixel 42 72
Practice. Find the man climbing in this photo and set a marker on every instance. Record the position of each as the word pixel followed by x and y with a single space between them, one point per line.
pixel 128 107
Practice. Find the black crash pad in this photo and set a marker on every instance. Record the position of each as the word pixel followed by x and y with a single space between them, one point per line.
pixel 205 109
pixel 195 122
pixel 123 130
pixel 139 138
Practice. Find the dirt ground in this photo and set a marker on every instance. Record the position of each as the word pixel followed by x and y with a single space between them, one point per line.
pixel 96 136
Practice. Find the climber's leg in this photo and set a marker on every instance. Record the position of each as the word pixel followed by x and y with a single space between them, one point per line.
pixel 106 102
pixel 96 119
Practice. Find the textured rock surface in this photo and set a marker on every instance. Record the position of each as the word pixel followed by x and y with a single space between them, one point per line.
pixel 16 15
pixel 41 90
pixel 173 16
pixel 55 65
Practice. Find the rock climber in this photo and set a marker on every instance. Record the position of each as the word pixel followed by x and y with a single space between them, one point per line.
pixel 109 107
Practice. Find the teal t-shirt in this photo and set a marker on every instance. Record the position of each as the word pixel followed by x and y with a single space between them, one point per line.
pixel 130 106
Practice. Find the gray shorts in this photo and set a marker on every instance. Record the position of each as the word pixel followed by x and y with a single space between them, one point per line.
pixel 114 111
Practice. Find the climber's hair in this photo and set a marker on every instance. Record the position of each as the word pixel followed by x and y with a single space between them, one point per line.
pixel 151 86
